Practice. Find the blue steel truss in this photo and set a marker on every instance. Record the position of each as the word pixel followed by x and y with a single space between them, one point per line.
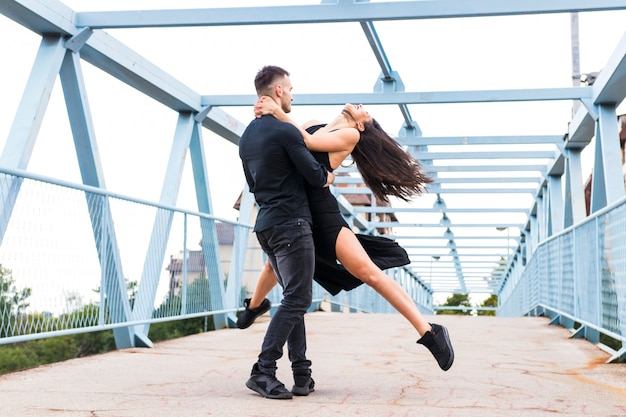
pixel 552 178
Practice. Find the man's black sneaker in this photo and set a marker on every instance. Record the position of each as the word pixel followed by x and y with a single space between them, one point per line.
pixel 247 316
pixel 438 342
pixel 267 385
pixel 304 389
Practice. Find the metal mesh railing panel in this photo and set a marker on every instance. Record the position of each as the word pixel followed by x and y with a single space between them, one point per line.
pixel 581 273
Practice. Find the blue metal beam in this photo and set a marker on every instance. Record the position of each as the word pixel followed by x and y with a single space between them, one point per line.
pixel 574 201
pixel 421 156
pixel 484 140
pixel 342 11
pixel 436 189
pixel 610 86
pixel 607 184
pixel 488 168
pixel 27 122
pixel 210 241
pixel 489 180
pixel 459 225
pixel 113 283
pixel 381 209
pixel 426 97
pixel 464 237
pixel 146 293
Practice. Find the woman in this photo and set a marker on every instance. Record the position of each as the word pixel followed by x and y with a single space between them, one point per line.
pixel 388 171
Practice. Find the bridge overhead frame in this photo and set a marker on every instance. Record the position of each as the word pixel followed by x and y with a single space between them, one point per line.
pixel 540 173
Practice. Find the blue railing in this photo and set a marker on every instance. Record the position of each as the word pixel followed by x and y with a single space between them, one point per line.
pixel 578 279
pixel 78 259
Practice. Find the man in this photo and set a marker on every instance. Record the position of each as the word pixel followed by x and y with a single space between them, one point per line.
pixel 276 164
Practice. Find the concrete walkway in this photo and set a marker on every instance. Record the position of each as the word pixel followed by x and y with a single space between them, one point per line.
pixel 363 364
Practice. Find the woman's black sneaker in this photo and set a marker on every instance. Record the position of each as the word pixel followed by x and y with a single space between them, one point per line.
pixel 438 342
pixel 247 316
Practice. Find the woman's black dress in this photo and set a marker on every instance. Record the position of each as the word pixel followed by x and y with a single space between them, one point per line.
pixel 327 222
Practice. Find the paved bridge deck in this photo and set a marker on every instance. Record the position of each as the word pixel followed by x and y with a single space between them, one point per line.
pixel 363 364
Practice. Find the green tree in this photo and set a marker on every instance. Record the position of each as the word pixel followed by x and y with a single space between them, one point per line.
pixel 457 300
pixel 89 343
pixel 12 301
pixel 491 301
pixel 197 301
pixel 131 288
pixel 13 358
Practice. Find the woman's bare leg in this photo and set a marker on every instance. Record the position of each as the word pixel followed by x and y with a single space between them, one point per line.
pixel 265 283
pixel 354 258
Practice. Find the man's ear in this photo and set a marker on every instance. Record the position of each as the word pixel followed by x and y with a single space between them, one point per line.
pixel 278 90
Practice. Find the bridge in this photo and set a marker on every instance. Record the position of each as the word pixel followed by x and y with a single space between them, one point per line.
pixel 517 366
pixel 528 195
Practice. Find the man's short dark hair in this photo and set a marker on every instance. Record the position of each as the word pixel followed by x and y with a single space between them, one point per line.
pixel 266 77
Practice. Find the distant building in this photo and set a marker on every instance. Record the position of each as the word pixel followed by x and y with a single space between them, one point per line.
pixel 365 200
pixel 195 259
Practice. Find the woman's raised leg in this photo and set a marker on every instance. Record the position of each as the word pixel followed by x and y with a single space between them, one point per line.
pixel 354 258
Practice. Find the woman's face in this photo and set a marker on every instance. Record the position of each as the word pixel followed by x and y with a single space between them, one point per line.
pixel 357 112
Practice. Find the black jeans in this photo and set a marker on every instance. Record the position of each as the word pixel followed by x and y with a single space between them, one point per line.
pixel 291 253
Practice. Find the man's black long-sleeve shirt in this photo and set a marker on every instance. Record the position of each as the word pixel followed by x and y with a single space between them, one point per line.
pixel 276 163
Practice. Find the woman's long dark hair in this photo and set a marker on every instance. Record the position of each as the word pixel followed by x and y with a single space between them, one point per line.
pixel 386 168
